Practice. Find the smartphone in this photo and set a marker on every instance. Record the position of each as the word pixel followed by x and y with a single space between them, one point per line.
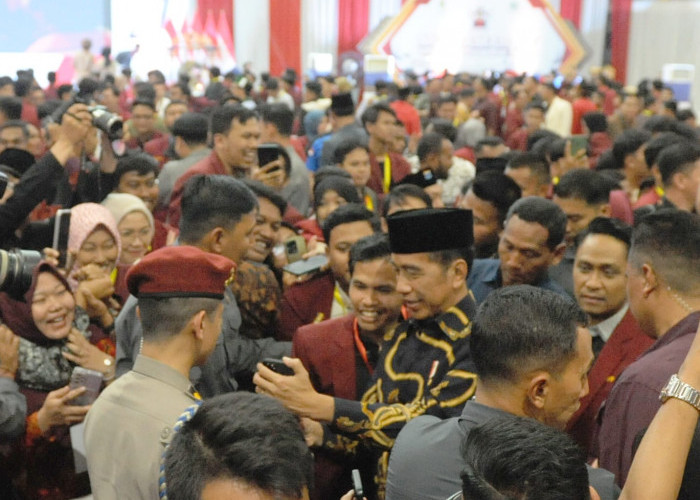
pixel 91 380
pixel 578 143
pixel 277 366
pixel 294 247
pixel 61 230
pixel 311 265
pixel 357 485
pixel 268 153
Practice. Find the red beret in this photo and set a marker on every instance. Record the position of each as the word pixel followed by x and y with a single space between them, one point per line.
pixel 180 271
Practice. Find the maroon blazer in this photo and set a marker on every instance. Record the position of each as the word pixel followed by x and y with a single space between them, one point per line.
pixel 400 168
pixel 306 303
pixel 623 347
pixel 327 350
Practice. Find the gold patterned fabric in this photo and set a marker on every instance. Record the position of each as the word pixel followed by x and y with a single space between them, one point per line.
pixel 424 367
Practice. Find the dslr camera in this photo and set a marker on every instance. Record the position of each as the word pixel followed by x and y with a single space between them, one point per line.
pixel 109 123
pixel 16 269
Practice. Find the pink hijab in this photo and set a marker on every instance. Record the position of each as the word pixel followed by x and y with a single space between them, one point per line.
pixel 85 218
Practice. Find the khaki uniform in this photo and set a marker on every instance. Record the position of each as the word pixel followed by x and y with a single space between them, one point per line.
pixel 128 427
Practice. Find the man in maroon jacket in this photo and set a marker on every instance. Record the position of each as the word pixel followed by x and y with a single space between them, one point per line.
pixel 387 168
pixel 235 132
pixel 600 289
pixel 340 354
pixel 325 296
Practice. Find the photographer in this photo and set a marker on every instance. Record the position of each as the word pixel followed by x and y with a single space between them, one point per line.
pixel 40 180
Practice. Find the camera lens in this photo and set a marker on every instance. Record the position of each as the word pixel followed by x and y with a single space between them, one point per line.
pixel 16 268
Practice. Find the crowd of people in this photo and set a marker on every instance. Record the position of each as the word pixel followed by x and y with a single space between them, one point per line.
pixel 460 286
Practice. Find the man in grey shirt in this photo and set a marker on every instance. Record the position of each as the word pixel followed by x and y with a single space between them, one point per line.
pixel 211 205
pixel 532 354
pixel 190 133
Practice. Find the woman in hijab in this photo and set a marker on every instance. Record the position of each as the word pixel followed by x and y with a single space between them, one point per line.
pixel 136 230
pixel 55 337
pixel 94 249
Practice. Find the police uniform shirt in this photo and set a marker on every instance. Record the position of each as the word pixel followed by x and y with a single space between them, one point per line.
pixel 127 428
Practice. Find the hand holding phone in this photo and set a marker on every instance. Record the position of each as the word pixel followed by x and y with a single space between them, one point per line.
pixel 311 265
pixel 357 485
pixel 277 366
pixel 91 380
pixel 61 230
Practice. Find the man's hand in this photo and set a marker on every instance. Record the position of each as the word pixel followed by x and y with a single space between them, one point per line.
pixel 313 432
pixel 272 174
pixel 71 133
pixel 690 369
pixel 56 411
pixel 295 392
pixel 9 352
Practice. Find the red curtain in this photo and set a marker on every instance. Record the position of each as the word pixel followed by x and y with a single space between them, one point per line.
pixel 216 6
pixel 353 23
pixel 571 10
pixel 621 13
pixel 285 36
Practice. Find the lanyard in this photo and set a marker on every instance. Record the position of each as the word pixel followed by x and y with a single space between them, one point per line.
pixel 387 173
pixel 368 203
pixel 361 346
pixel 339 299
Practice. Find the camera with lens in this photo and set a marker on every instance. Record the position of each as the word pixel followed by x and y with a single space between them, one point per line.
pixel 109 123
pixel 16 270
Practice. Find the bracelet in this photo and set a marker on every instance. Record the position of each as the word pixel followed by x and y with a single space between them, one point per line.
pixel 109 373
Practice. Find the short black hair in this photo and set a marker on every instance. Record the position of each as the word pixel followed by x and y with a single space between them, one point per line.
pixel 87 87
pixel 66 88
pixel 314 86
pixel 543 212
pixel 583 184
pixel 22 86
pixel 157 75
pixel 263 191
pixel 211 201
pixel 345 214
pixel 223 116
pixel 596 122
pixel 521 328
pixel 11 107
pixel 191 128
pixel 608 226
pixel 670 241
pixel 341 185
pixel 371 114
pixel 279 115
pixel 658 123
pixel 488 141
pixel 163 318
pixel 498 189
pixel 556 149
pixel 346 147
pixel 369 248
pixel 20 124
pixel 262 447
pixel 679 157
pixel 144 102
pixel 657 144
pixel 430 143
pixel 444 128
pixel 139 162
pixel 538 142
pixel 398 195
pixel 537 164
pixel 330 171
pixel 445 99
pixel 446 257
pixel 515 457
pixel 627 143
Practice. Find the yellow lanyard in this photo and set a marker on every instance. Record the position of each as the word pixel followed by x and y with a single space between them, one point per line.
pixel 387 173
pixel 339 299
pixel 368 203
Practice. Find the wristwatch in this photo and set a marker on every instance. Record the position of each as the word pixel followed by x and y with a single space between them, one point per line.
pixel 678 389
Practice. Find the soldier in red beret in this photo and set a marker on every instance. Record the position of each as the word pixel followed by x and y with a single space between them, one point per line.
pixel 180 291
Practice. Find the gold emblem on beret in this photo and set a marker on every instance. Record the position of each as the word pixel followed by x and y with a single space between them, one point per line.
pixel 231 277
